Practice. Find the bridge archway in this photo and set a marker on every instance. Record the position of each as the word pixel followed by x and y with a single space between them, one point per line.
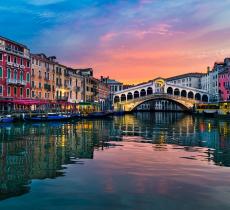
pixel 176 92
pixel 129 96
pixel 197 96
pixel 149 91
pixel 170 90
pixel 136 94
pixel 205 98
pixel 190 95
pixel 116 99
pixel 166 100
pixel 183 93
pixel 143 92
pixel 123 97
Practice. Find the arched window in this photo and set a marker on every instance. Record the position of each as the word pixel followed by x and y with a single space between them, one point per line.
pixel 129 96
pixel 198 96
pixel 149 91
pixel 8 73
pixel 169 90
pixel 21 76
pixel 136 94
pixel 123 97
pixel 116 99
pixel 183 93
pixel 176 92
pixel 1 72
pixel 190 95
pixel 15 74
pixel 205 98
pixel 143 92
pixel 28 77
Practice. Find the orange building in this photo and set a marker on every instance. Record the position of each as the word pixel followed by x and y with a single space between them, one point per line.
pixel 42 77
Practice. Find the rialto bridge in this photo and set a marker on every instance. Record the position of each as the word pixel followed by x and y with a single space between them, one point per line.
pixel 169 95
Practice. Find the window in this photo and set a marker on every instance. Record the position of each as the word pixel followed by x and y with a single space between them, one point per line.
pixel 33 94
pixel 15 74
pixel 39 85
pixel 21 76
pixel 28 64
pixel 27 93
pixel 15 59
pixel 1 73
pixel 0 56
pixel 21 91
pixel 8 73
pixel 32 72
pixel 8 90
pixel 32 84
pixel 8 58
pixel 28 77
pixel 1 90
pixel 15 91
pixel 21 61
pixel 39 94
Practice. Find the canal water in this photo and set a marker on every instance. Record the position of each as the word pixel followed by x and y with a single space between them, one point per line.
pixel 161 161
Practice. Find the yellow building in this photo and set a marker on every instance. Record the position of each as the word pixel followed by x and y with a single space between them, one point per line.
pixel 63 86
pixel 76 94
pixel 90 85
pixel 42 77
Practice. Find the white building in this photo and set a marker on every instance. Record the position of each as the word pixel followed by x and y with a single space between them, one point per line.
pixel 209 81
pixel 187 80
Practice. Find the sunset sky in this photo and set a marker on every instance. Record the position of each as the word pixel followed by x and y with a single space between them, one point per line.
pixel 128 40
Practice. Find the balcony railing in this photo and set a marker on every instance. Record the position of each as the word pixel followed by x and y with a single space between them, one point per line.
pixel 16 52
pixel 46 78
pixel 62 98
pixel 78 88
pixel 16 82
pixel 68 86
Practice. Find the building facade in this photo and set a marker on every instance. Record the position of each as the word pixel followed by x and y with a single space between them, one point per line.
pixel 103 95
pixel 15 71
pixel 209 81
pixel 76 84
pixel 114 86
pixel 63 86
pixel 187 80
pixel 90 85
pixel 42 77
pixel 224 81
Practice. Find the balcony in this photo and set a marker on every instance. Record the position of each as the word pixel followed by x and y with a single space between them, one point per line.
pixel 16 82
pixel 16 65
pixel 63 98
pixel 46 78
pixel 9 63
pixel 15 52
pixel 66 74
pixel 78 89
pixel 68 86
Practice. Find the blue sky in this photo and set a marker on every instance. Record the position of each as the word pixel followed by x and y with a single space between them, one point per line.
pixel 130 40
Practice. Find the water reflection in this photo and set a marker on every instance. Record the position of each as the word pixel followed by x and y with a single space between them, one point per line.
pixel 39 151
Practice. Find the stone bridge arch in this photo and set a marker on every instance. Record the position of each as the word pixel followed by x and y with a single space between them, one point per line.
pixel 184 103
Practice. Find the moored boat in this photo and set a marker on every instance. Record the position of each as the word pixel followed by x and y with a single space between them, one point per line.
pixel 48 117
pixel 97 114
pixel 6 119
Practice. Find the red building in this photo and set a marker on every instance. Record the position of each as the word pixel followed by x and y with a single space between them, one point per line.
pixel 15 72
pixel 224 81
